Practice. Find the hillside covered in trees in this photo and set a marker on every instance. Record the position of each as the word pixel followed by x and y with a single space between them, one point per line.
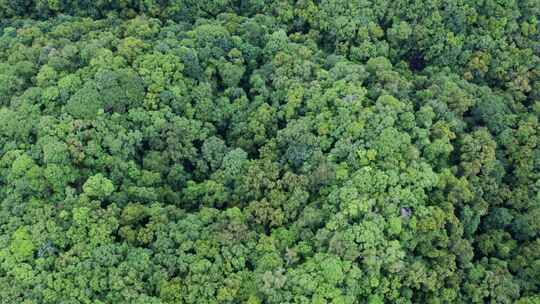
pixel 265 152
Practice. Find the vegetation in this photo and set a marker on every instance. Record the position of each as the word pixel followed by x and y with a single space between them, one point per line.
pixel 366 151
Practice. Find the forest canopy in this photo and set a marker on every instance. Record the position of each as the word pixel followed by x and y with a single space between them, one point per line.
pixel 265 152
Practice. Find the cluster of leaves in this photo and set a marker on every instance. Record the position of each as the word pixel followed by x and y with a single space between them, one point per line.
pixel 269 151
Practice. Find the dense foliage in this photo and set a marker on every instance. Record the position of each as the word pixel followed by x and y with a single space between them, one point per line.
pixel 256 151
